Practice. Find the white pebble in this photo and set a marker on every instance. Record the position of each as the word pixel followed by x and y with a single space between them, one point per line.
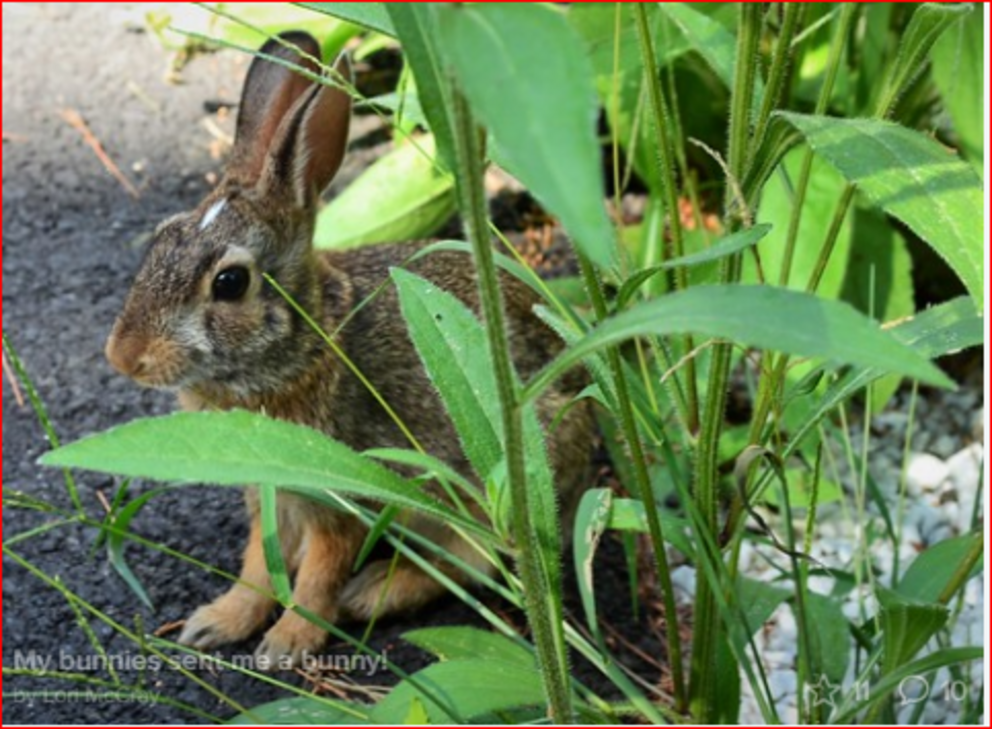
pixel 925 473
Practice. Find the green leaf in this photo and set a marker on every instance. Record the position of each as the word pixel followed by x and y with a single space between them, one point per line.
pixel 417 715
pixel 958 70
pixel 912 178
pixel 272 544
pixel 879 282
pixel 455 352
pixel 591 520
pixel 368 15
pixel 778 198
pixel 402 196
pixel 527 76
pixel 628 515
pixel 116 541
pixel 726 246
pixel 759 316
pixel 932 570
pixel 454 349
pixel 938 331
pixel 928 23
pixel 416 29
pixel 304 711
pixel 236 448
pixel 468 688
pixel 831 634
pixel 460 643
pixel 907 626
pixel 758 600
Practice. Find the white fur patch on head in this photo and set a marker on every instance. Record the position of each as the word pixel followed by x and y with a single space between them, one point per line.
pixel 212 213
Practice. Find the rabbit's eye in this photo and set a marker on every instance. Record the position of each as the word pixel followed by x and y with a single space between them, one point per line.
pixel 231 283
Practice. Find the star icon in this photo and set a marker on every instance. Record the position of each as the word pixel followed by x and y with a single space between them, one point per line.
pixel 822 692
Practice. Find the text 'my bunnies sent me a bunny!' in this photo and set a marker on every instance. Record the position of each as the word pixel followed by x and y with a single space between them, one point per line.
pixel 202 319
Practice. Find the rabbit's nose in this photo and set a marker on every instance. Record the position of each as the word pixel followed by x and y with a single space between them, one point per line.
pixel 127 355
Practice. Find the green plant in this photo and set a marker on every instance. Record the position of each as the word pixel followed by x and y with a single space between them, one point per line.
pixel 820 156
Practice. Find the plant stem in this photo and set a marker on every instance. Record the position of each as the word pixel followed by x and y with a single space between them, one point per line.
pixel 472 202
pixel 645 492
pixel 704 689
pixel 662 118
pixel 781 61
pixel 772 376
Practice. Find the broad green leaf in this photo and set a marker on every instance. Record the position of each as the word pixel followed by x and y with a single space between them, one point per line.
pixel 758 600
pixel 416 30
pixel 800 483
pixel 932 570
pixel 454 349
pixel 455 352
pixel 733 243
pixel 958 70
pixel 402 196
pixel 759 316
pixel 907 626
pixel 527 76
pixel 832 635
pixel 236 448
pixel 778 198
pixel 458 690
pixel 368 15
pixel 912 178
pixel 461 642
pixel 304 711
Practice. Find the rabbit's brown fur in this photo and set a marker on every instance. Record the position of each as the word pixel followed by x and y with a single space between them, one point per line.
pixel 179 330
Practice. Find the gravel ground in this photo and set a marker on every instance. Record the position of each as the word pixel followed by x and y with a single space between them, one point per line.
pixel 943 479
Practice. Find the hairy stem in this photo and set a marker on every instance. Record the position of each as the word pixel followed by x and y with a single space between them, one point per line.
pixel 704 689
pixel 472 203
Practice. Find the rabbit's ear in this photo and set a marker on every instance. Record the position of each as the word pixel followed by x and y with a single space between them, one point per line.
pixel 310 143
pixel 270 91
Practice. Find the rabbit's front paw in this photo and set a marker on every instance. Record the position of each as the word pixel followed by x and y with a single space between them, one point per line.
pixel 289 643
pixel 232 617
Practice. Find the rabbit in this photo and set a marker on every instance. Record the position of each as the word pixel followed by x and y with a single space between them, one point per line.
pixel 201 320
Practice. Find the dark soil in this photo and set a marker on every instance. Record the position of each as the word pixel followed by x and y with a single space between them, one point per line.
pixel 72 239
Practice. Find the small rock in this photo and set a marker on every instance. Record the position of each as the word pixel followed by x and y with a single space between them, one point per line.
pixel 925 472
pixel 965 470
pixel 944 445
pixel 684 582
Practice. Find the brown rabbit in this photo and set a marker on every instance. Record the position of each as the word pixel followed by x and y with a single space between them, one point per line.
pixel 201 319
